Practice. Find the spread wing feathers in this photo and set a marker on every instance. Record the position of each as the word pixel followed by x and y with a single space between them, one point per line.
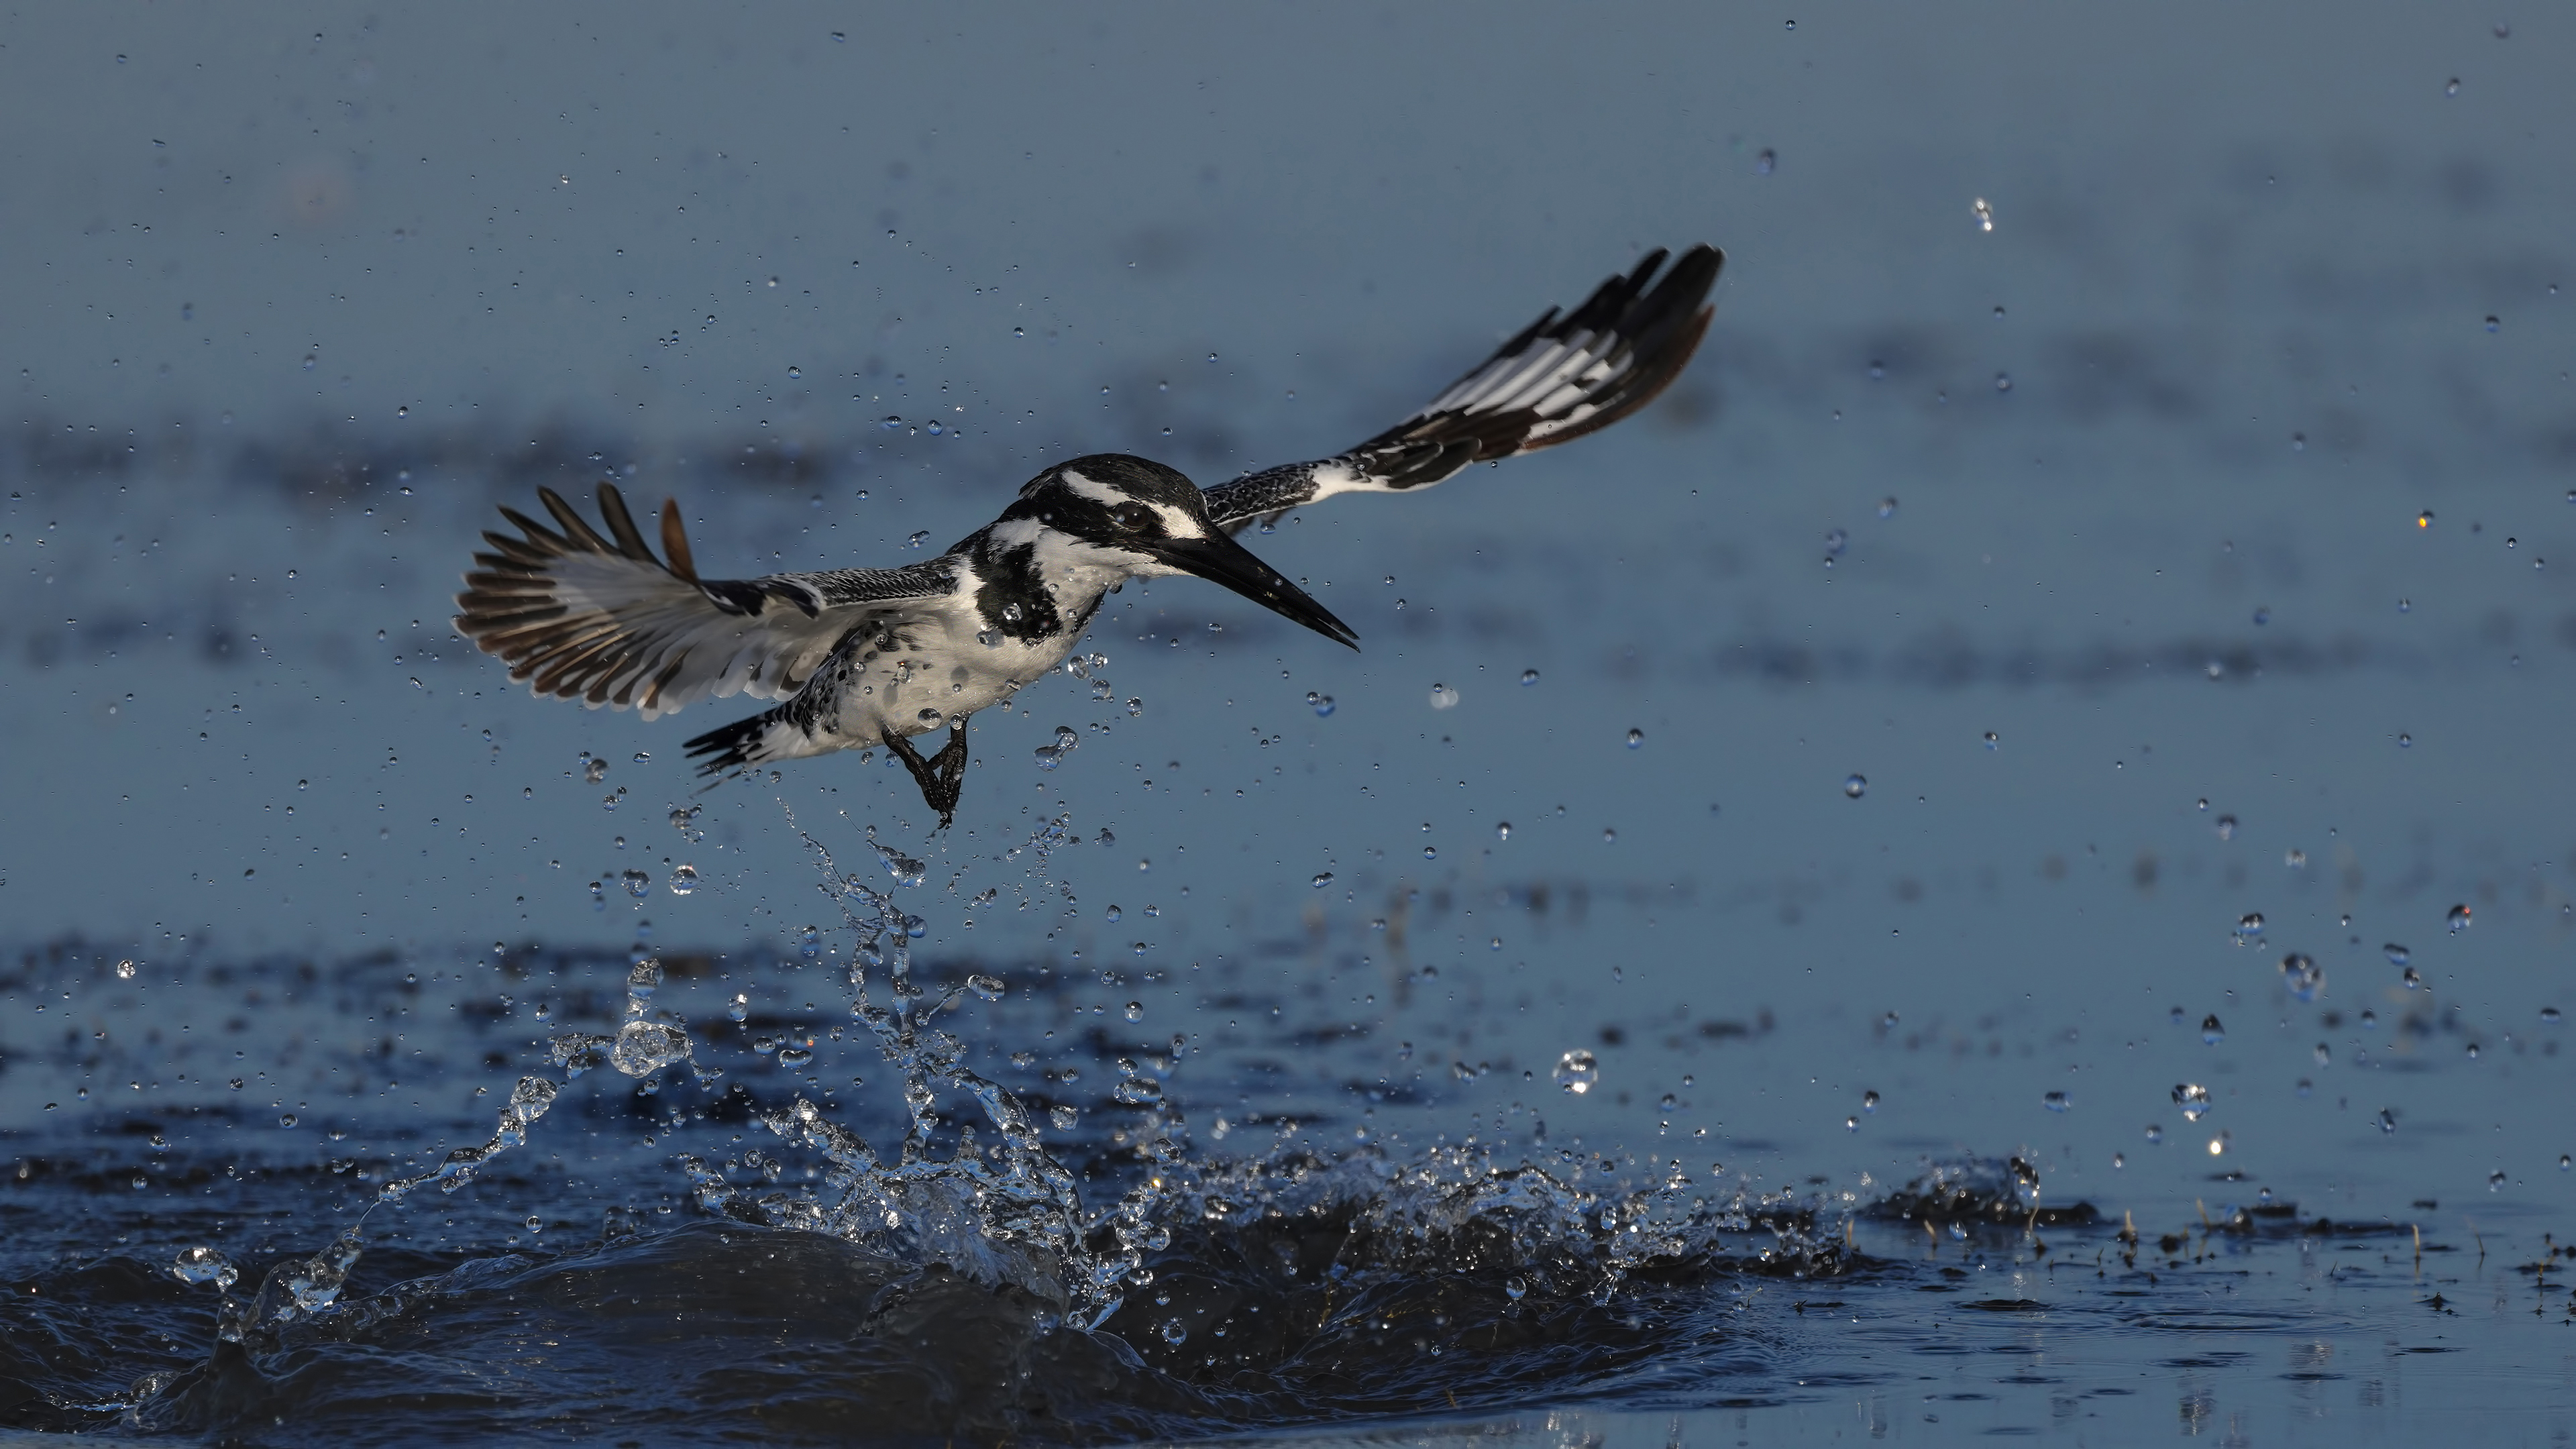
pixel 1562 377
pixel 601 620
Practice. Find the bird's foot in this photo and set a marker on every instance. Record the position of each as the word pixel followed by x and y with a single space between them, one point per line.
pixel 942 777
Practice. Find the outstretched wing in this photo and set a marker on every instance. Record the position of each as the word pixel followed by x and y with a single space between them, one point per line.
pixel 1561 378
pixel 583 617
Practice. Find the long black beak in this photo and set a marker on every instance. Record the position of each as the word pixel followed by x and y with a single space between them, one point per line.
pixel 1220 560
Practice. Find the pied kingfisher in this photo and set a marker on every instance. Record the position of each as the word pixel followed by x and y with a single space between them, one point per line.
pixel 861 657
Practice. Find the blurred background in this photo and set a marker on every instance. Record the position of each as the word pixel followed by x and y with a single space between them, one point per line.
pixel 2117 534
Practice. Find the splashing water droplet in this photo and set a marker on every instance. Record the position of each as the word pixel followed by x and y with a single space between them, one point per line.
pixel 795 1059
pixel 643 1046
pixel 1062 1118
pixel 204 1265
pixel 1051 755
pixel 2192 1099
pixel 988 987
pixel 1577 1071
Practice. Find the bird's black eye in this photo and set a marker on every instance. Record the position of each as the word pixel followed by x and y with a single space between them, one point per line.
pixel 1131 517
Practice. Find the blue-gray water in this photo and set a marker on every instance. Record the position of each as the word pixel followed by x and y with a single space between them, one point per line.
pixel 2140 448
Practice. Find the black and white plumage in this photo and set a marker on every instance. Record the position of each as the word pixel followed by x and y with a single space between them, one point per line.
pixel 862 657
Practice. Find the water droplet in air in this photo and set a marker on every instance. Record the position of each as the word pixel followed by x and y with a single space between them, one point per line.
pixel 1636 738
pixel 2549 1016
pixel 1992 739
pixel 637 883
pixel 795 1058
pixel 795 372
pixel 2397 955
pixel 1503 831
pixel 1985 214
pixel 988 987
pixel 1515 1289
pixel 124 970
pixel 1576 1071
pixel 1764 163
pixel 2387 1119
pixel 286 1120
pixel 1323 878
pixel 1835 542
pixel 2458 919
pixel 1887 508
pixel 2211 1033
pixel 2248 927
pixel 595 771
pixel 1443 697
pixel 684 879
pixel 1851 1124
pixel 2302 975
pixel 1062 1118
pixel 917 539
pixel 2453 88
pixel 1173 1332
pixel 739 1008
pixel 2226 827
pixel 1530 676
pixel 1135 1011
pixel 1051 755
pixel 2411 978
pixel 1855 786
pixel 2155 1133
pixel 1869 1101
pixel 204 1265
pixel 1322 703
pixel 2192 1099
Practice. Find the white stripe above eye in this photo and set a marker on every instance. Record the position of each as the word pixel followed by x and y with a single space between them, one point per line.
pixel 1086 488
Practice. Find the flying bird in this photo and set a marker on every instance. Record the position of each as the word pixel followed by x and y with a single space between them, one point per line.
pixel 857 658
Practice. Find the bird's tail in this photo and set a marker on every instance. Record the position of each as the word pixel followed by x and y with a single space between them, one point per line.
pixel 740 745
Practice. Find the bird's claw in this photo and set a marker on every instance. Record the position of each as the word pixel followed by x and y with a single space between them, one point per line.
pixel 942 777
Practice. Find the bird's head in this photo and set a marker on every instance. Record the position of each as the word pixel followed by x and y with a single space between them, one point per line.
pixel 1143 520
